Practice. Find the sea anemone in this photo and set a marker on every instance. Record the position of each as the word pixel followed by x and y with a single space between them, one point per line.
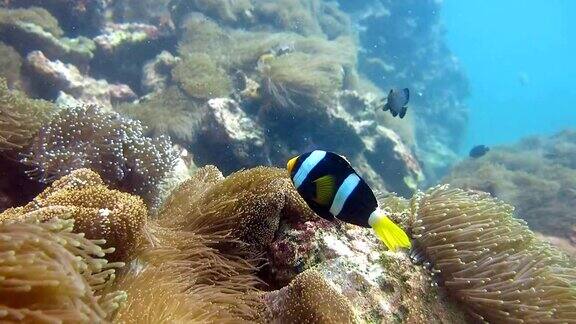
pixel 50 274
pixel 105 142
pixel 490 261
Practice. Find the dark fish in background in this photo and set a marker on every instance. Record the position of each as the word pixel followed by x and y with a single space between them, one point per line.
pixel 332 189
pixel 396 102
pixel 478 151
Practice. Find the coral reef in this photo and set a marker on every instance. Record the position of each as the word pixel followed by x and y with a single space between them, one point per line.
pixel 381 286
pixel 98 212
pixel 403 44
pixel 35 29
pixel 200 77
pixel 537 176
pixel 20 118
pixel 490 261
pixel 167 112
pixel 86 16
pixel 62 81
pixel 225 127
pixel 49 274
pixel 113 146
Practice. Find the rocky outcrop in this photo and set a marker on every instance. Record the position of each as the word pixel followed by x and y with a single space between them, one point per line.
pixel 380 286
pixel 70 87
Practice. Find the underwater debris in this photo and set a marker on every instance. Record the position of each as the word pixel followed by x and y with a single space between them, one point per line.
pixel 20 118
pixel 309 299
pixel 490 261
pixel 98 212
pixel 113 146
pixel 50 274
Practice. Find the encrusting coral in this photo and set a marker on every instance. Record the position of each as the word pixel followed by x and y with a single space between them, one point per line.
pixel 20 118
pixel 309 299
pixel 50 274
pixel 98 212
pixel 113 146
pixel 490 261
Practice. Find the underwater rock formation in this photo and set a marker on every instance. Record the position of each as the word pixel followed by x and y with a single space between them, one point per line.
pixel 35 29
pixel 490 261
pixel 381 286
pixel 225 127
pixel 537 176
pixel 50 274
pixel 75 17
pixel 98 212
pixel 62 81
pixel 403 44
pixel 113 146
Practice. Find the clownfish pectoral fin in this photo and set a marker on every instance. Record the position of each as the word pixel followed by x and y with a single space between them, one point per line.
pixel 325 189
pixel 388 232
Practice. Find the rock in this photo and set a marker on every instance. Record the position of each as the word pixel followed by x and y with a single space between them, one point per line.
pixel 122 50
pixel 65 81
pixel 382 286
pixel 75 16
pixel 26 37
pixel 118 37
pixel 156 72
pixel 228 137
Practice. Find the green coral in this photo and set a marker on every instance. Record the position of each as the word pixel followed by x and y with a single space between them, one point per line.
pixel 20 118
pixel 200 77
pixel 33 15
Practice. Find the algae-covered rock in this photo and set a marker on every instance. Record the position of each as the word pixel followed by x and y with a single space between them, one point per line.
pixel 60 80
pixel 34 29
pixel 200 77
pixel 381 286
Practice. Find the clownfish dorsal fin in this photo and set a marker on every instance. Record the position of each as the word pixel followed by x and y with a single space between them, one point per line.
pixel 325 189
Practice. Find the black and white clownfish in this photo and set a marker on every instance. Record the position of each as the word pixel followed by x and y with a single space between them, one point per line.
pixel 332 189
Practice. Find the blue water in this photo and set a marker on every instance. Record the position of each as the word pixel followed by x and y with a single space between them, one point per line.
pixel 520 57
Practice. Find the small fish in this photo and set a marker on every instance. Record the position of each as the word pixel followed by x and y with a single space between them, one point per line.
pixel 478 151
pixel 332 189
pixel 396 102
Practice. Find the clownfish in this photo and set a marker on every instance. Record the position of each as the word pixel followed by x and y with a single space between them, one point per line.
pixel 333 189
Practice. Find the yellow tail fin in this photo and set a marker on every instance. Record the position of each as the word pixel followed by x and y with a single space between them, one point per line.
pixel 391 234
